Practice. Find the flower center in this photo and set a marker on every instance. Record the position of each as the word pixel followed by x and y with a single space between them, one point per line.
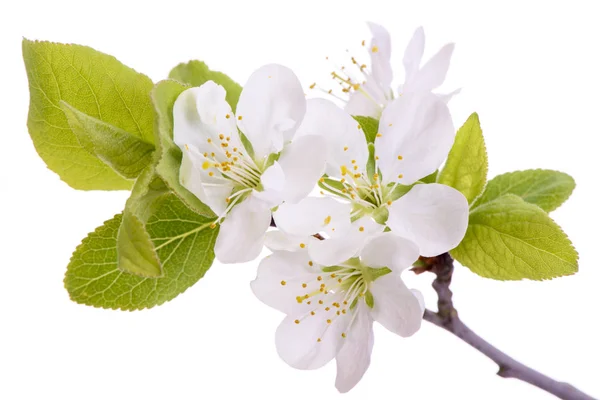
pixel 335 292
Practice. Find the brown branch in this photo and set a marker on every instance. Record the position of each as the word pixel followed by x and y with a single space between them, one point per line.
pixel 447 318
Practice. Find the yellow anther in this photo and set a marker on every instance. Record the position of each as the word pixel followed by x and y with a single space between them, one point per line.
pixel 213 225
pixel 333 275
pixel 343 170
pixel 374 49
pixel 239 118
pixel 375 176
pixel 224 144
pixel 312 313
pixel 377 157
pixel 320 301
pixel 205 165
pixel 302 245
pixel 221 136
pixel 318 340
pixel 345 302
pixel 327 308
pixel 355 167
pixel 327 220
pixel 357 176
pixel 340 280
pixel 297 321
pixel 389 124
pixel 313 85
pixel 363 43
pixel 344 311
pixel 319 278
pixel 209 140
pixel 227 200
pixel 400 176
pixel 304 285
pixel 328 321
pixel 310 263
pixel 389 203
pixel 337 313
pixel 363 66
pixel 187 147
pixel 400 157
pixel 299 299
pixel 211 173
pixel 345 148
pixel 308 302
pixel 379 135
pixel 353 161
pixel 283 283
pixel 361 229
pixel 343 335
pixel 321 180
pixel 343 180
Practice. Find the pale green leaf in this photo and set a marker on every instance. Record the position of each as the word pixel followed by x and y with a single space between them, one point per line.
pixel 510 239
pixel 126 154
pixel 183 241
pixel 97 85
pixel 196 73
pixel 545 188
pixel 467 164
pixel 135 250
pixel 164 95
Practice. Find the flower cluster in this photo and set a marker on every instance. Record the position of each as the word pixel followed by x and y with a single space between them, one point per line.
pixel 336 259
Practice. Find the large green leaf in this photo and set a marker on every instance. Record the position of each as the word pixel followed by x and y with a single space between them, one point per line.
pixel 125 153
pixel 169 154
pixel 97 85
pixel 510 239
pixel 183 241
pixel 467 164
pixel 545 188
pixel 195 73
pixel 369 125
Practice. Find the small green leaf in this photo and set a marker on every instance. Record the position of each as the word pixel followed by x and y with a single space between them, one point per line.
pixel 370 127
pixel 196 73
pixel 545 188
pixel 510 239
pixel 183 241
pixel 135 250
pixel 126 154
pixel 164 95
pixel 95 84
pixel 431 178
pixel 467 164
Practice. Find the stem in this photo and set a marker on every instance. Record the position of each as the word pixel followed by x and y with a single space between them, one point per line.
pixel 447 318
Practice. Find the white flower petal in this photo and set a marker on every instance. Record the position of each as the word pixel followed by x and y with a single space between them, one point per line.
pixel 395 306
pixel 446 97
pixel 270 108
pixel 345 141
pixel 359 104
pixel 211 190
pixel 313 215
pixel 414 53
pixel 354 357
pixel 279 281
pixel 279 240
pixel 433 216
pixel 303 162
pixel 380 52
pixel 346 244
pixel 242 233
pixel 433 73
pixel 416 136
pixel 201 113
pixel 273 181
pixel 312 342
pixel 389 250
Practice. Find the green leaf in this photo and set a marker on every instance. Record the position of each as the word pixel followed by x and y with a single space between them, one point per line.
pixel 183 241
pixel 196 73
pixel 95 84
pixel 135 250
pixel 510 239
pixel 169 154
pixel 126 154
pixel 370 127
pixel 431 178
pixel 545 188
pixel 467 164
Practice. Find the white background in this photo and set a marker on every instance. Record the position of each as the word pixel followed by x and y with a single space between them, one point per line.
pixel 529 68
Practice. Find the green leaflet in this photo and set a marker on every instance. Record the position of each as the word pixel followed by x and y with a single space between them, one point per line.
pixel 510 239
pixel 183 241
pixel 168 153
pixel 195 73
pixel 135 250
pixel 370 126
pixel 467 164
pixel 126 154
pixel 96 85
pixel 544 188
